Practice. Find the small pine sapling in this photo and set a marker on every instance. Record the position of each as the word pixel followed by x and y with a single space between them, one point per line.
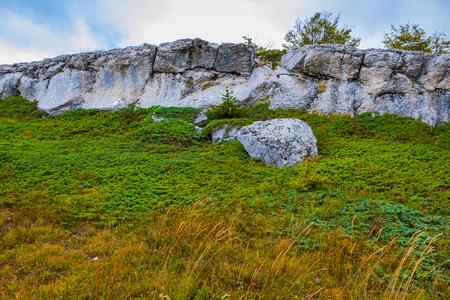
pixel 229 108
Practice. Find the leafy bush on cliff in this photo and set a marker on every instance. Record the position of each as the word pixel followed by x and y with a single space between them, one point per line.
pixel 321 28
pixel 413 38
pixel 266 55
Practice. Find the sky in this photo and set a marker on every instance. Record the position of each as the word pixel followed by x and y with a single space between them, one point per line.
pixel 32 30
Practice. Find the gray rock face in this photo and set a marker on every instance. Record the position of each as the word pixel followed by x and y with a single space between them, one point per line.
pixel 146 75
pixel 182 55
pixel 193 72
pixel 199 130
pixel 235 58
pixel 329 61
pixel 341 79
pixel 224 133
pixel 200 120
pixel 279 142
pixel 83 80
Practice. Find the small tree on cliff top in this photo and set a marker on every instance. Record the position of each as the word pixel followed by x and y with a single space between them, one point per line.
pixel 412 37
pixel 321 28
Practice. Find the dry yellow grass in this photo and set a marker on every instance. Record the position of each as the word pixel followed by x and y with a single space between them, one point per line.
pixel 196 254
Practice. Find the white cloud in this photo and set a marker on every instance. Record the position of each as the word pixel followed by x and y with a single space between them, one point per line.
pixel 35 41
pixel 12 54
pixel 131 17
pixel 373 40
pixel 216 21
pixel 83 38
pixel 132 22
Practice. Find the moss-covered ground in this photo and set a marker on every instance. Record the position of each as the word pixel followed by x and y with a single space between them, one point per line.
pixel 110 205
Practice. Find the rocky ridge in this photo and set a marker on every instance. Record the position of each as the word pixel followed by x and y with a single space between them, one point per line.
pixel 193 72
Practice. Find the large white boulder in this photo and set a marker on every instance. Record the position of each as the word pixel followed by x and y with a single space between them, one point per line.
pixel 279 142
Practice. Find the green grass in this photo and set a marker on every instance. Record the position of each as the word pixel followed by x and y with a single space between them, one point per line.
pixel 171 215
pixel 188 114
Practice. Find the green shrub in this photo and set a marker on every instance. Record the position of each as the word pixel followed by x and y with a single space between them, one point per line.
pixel 391 127
pixel 308 176
pixel 272 57
pixel 77 114
pixel 260 110
pixel 441 136
pixel 21 108
pixel 228 109
pixel 267 56
pixel 169 131
pixel 189 114
pixel 342 126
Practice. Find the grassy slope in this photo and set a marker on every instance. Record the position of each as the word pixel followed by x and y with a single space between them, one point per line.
pixel 169 215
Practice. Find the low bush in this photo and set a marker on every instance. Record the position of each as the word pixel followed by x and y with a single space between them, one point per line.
pixel 169 131
pixel 228 109
pixel 19 107
pixel 189 114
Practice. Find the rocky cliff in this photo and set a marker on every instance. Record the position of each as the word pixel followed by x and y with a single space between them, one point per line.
pixel 329 78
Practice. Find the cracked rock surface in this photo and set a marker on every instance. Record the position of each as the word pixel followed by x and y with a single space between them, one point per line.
pixel 279 142
pixel 342 79
pixel 193 72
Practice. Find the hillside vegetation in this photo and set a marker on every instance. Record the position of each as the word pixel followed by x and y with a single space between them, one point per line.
pixel 110 205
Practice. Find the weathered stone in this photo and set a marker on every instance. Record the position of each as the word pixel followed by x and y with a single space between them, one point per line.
pixel 53 70
pixel 199 130
pixel 198 88
pixel 436 74
pixel 235 58
pixel 201 119
pixel 156 118
pixel 388 81
pixel 121 78
pixel 329 60
pixel 187 54
pixel 9 84
pixel 328 78
pixel 279 142
pixel 224 133
pixel 288 90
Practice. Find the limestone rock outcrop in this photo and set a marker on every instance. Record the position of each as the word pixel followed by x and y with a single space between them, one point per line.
pixel 193 72
pixel 146 75
pixel 341 79
pixel 183 55
pixel 279 142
